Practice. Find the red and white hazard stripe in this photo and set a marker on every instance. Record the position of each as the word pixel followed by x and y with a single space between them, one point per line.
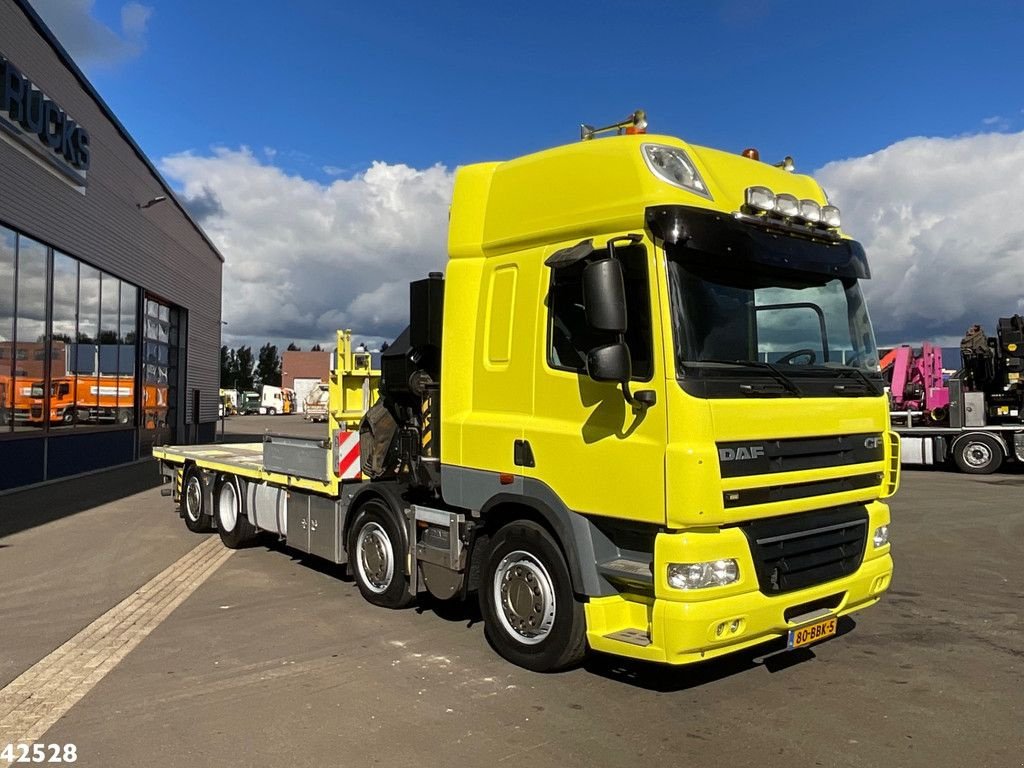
pixel 348 456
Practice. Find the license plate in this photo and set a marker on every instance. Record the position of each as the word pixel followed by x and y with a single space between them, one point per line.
pixel 812 633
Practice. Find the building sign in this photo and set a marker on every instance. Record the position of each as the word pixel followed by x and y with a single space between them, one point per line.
pixel 37 123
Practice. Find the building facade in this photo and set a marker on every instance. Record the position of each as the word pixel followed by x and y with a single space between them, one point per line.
pixel 302 371
pixel 110 293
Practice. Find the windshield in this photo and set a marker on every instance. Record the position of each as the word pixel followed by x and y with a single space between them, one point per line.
pixel 37 390
pixel 777 323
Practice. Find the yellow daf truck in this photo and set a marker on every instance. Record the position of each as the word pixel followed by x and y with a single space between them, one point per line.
pixel 640 413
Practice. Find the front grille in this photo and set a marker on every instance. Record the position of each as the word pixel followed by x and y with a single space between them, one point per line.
pixel 760 457
pixel 792 491
pixel 37 413
pixel 799 551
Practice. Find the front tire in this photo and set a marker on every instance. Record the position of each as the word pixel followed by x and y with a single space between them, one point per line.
pixel 978 454
pixel 193 502
pixel 233 526
pixel 531 616
pixel 376 555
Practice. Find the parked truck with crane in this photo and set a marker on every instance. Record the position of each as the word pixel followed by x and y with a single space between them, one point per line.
pixel 975 418
pixel 579 428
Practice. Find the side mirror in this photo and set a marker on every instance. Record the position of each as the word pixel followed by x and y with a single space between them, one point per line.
pixel 604 296
pixel 610 363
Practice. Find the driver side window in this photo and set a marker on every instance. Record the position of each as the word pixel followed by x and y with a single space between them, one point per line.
pixel 570 338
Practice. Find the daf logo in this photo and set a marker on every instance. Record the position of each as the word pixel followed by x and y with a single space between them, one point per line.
pixel 743 453
pixel 873 442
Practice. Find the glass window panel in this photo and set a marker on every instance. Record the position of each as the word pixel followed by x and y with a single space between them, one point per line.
pixel 30 333
pixel 126 340
pixel 109 389
pixel 87 358
pixel 64 329
pixel 8 245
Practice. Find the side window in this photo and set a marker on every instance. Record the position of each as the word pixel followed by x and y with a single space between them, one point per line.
pixel 569 336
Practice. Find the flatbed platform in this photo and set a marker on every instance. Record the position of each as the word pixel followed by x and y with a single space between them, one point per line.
pixel 247 460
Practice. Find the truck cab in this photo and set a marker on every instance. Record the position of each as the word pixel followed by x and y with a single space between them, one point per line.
pixel 662 350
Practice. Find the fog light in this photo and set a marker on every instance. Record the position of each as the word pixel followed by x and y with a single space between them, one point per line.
pixel 713 573
pixel 810 211
pixel 830 216
pixel 734 626
pixel 881 537
pixel 787 205
pixel 760 199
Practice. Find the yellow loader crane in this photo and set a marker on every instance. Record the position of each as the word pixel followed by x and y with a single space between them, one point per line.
pixel 640 413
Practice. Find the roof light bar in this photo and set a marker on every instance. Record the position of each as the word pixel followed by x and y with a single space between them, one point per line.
pixel 763 202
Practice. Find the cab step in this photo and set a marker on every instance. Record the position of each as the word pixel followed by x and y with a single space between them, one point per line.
pixel 626 571
pixel 631 636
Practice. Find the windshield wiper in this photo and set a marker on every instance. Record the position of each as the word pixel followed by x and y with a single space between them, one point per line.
pixel 859 374
pixel 786 382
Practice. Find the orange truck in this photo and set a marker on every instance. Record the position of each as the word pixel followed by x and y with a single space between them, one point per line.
pixel 93 398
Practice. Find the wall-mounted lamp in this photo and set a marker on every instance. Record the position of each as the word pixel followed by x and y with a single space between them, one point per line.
pixel 151 203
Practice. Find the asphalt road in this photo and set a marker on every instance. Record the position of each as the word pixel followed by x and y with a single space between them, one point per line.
pixel 277 661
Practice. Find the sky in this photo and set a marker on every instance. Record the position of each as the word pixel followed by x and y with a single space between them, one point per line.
pixel 316 141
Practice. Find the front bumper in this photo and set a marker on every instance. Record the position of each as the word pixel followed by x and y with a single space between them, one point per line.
pixel 683 626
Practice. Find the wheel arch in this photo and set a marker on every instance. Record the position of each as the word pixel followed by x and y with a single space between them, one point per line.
pixel 391 497
pixel 572 532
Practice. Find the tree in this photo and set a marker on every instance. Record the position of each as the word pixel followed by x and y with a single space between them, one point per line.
pixel 293 347
pixel 244 369
pixel 228 367
pixel 315 348
pixel 268 369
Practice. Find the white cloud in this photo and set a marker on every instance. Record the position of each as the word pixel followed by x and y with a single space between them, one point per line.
pixel 940 220
pixel 89 41
pixel 303 258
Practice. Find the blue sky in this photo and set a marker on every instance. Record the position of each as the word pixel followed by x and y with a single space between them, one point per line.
pixel 341 84
pixel 315 141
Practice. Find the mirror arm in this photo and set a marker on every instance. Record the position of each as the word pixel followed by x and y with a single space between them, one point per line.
pixel 641 400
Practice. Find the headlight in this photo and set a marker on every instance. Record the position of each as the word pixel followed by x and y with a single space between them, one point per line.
pixel 881 537
pixel 671 164
pixel 830 216
pixel 760 199
pixel 714 573
pixel 810 211
pixel 787 205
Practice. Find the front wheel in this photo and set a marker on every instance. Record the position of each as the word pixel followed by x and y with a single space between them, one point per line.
pixel 978 454
pixel 531 616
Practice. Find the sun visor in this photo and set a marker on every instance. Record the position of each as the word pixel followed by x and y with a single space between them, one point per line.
pixel 726 237
pixel 566 257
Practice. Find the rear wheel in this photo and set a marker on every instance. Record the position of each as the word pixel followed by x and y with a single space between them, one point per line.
pixel 193 501
pixel 271 411
pixel 376 555
pixel 978 454
pixel 531 615
pixel 233 526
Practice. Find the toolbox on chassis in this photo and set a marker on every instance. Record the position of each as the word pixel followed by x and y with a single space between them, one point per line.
pixel 640 413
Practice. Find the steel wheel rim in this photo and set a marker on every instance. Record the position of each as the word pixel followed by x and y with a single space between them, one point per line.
pixel 375 558
pixel 228 507
pixel 524 595
pixel 193 498
pixel 977 454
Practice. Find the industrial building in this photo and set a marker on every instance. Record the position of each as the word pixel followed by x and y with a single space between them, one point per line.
pixel 110 292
